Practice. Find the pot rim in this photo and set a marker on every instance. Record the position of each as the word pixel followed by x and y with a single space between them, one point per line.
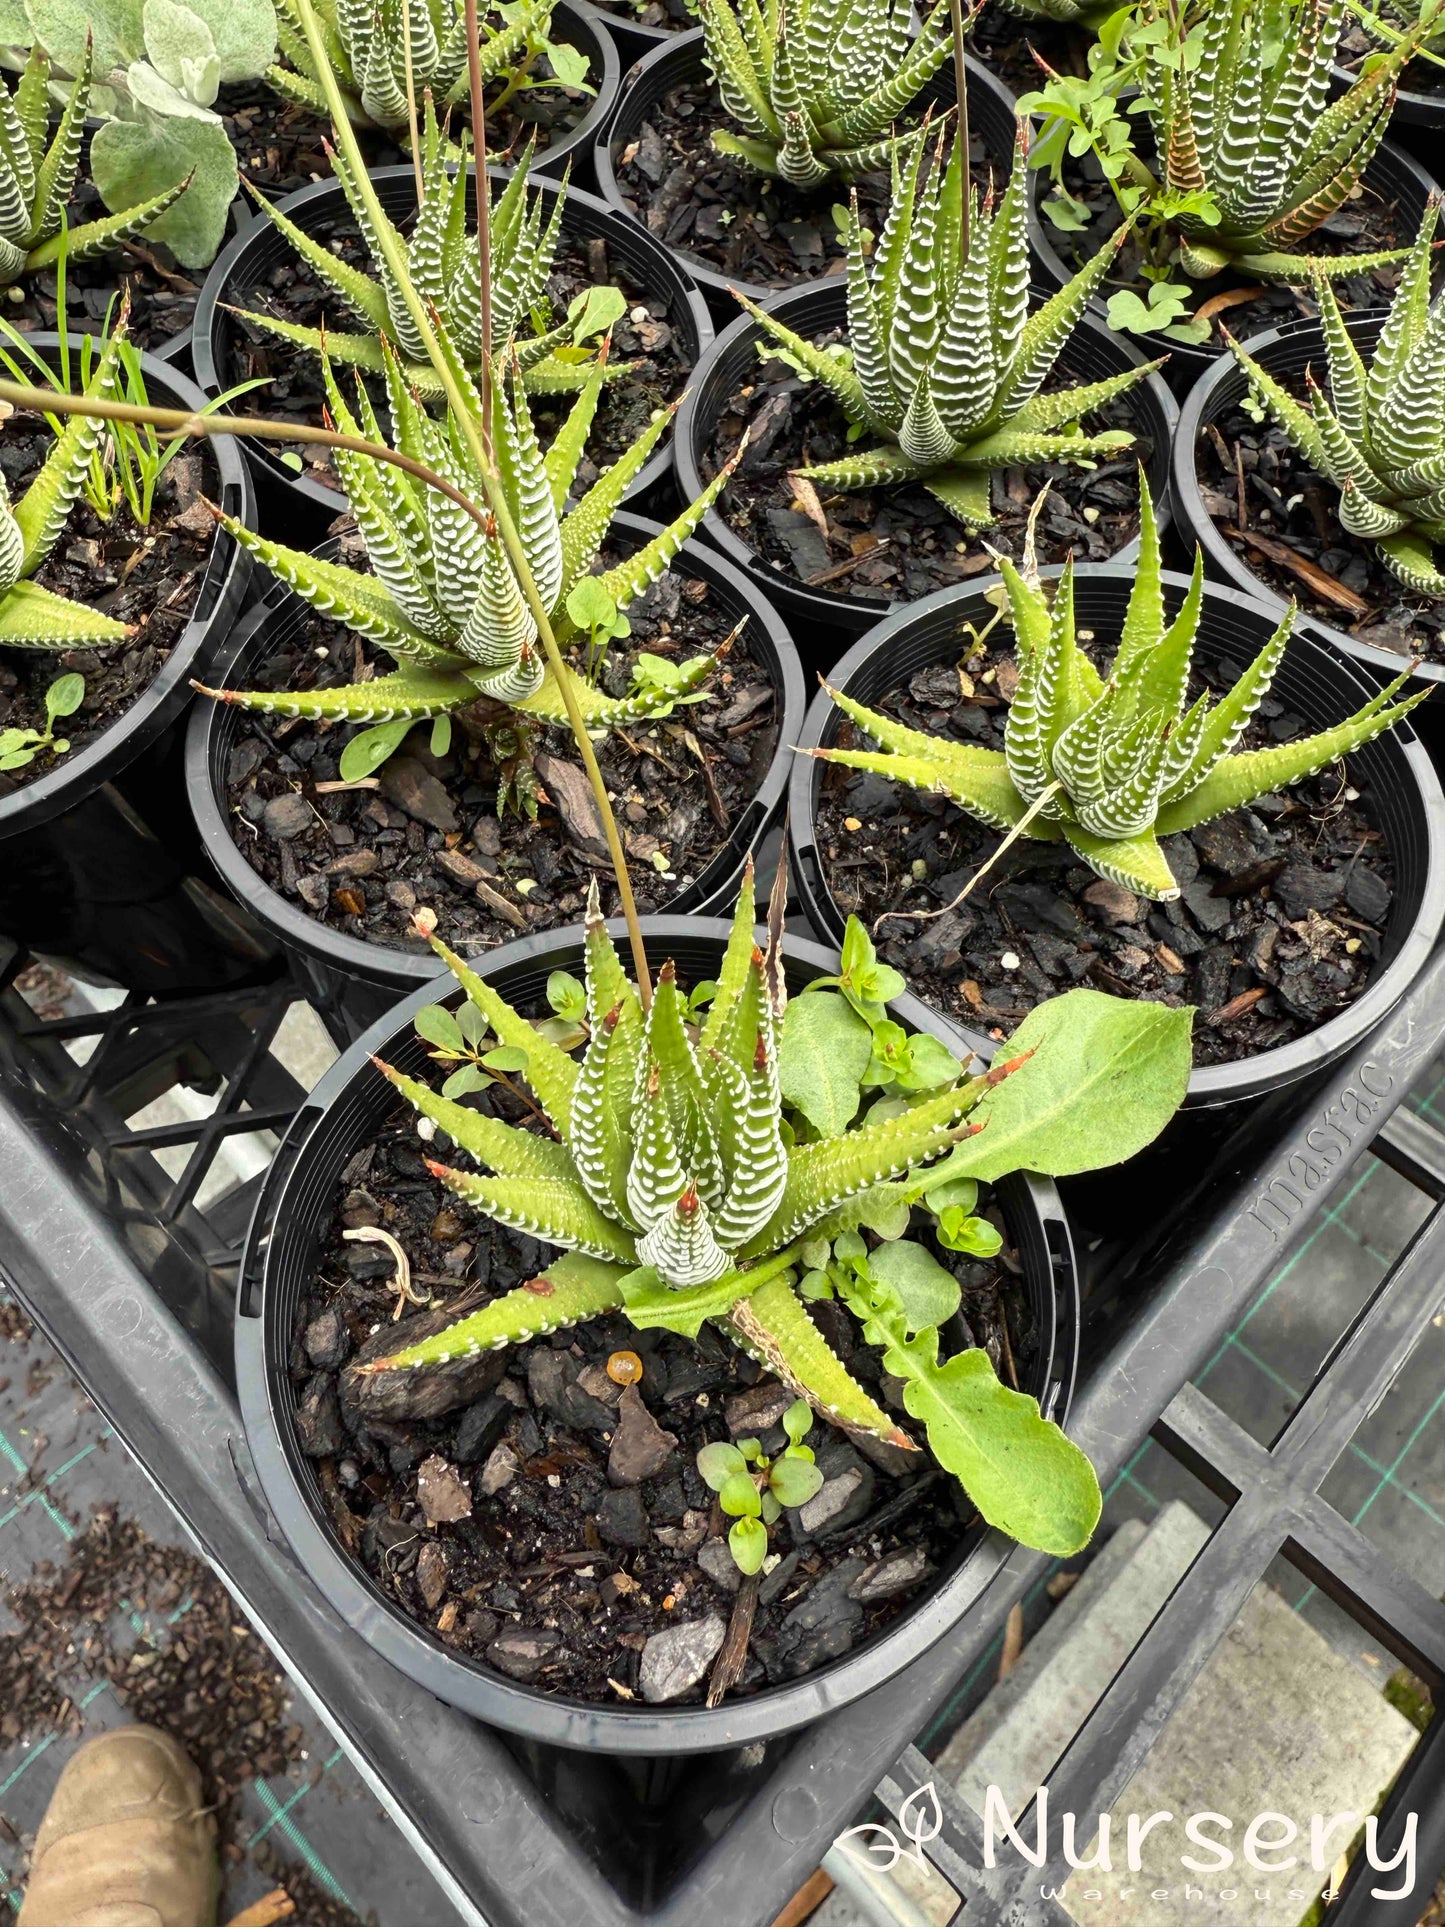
pixel 400 970
pixel 558 1720
pixel 1209 1084
pixel 220 594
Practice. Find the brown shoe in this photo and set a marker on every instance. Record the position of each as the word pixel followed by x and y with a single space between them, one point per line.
pixel 125 1841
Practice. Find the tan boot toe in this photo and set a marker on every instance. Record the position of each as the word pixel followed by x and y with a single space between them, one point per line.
pixel 124 1841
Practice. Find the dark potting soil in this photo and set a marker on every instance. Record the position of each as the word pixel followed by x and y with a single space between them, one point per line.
pixel 543 1520
pixel 740 223
pixel 1418 77
pixel 1364 225
pixel 150 577
pixel 1292 539
pixel 899 542
pixel 1280 924
pixel 362 860
pixel 645 340
pixel 194 1668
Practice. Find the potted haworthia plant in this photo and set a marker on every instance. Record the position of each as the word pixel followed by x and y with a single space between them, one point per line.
pixel 815 88
pixel 1378 433
pixel 156 71
pixel 945 368
pixel 1109 765
pixel 445 599
pixel 443 261
pixel 1250 155
pixel 715 1168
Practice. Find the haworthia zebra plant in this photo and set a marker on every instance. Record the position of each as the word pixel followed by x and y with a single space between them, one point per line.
pixel 1380 434
pixel 367 47
pixel 444 266
pixel 944 360
pixel 37 177
pixel 682 1189
pixel 815 83
pixel 1111 765
pixel 33 617
pixel 442 597
pixel 1249 136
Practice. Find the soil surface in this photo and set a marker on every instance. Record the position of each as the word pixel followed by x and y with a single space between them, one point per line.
pixel 547 1522
pixel 1365 224
pixel 208 1681
pixel 711 208
pixel 149 577
pixel 1280 924
pixel 898 543
pixel 1292 538
pixel 646 339
pixel 362 860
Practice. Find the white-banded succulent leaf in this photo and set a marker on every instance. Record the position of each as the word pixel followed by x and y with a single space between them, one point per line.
pixel 366 43
pixel 1250 126
pixel 31 616
pixel 816 84
pixel 1114 764
pixel 1379 434
pixel 442 596
pixel 944 362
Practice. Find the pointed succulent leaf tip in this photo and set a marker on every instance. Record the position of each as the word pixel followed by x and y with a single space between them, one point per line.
pixel 1254 147
pixel 1379 432
pixel 944 363
pixel 1132 758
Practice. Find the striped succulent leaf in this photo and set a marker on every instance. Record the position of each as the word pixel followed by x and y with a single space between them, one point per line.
pixel 1379 435
pixel 31 616
pixel 441 595
pixel 945 363
pixel 367 47
pixel 38 166
pixel 1244 118
pixel 815 84
pixel 1111 765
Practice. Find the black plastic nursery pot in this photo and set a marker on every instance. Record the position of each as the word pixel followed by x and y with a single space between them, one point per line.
pixel 342 1114
pixel 1285 353
pixel 1312 683
pixel 1393 176
pixel 826 621
pixel 243 276
pixel 96 866
pixel 680 61
pixel 590 33
pixel 356 982
pixel 1417 119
